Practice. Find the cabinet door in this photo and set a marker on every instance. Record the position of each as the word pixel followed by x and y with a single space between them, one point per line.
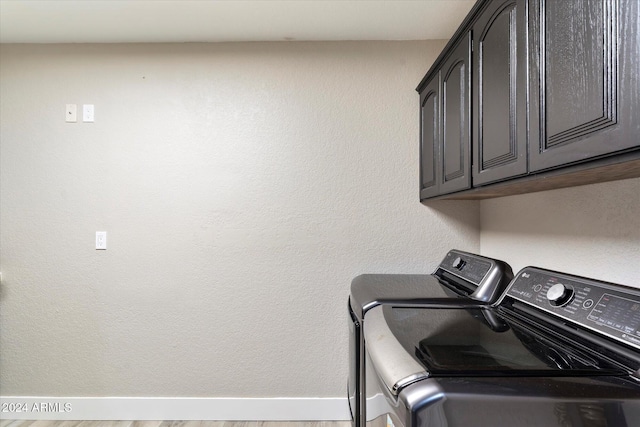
pixel 499 92
pixel 454 171
pixel 429 138
pixel 585 103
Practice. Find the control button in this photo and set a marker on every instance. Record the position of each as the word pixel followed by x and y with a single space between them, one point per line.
pixel 537 288
pixel 458 263
pixel 559 295
pixel 588 303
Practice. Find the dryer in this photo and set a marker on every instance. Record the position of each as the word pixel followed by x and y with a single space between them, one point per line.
pixel 462 279
pixel 557 350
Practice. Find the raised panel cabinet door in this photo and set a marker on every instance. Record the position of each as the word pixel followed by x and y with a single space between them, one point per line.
pixel 585 102
pixel 499 92
pixel 429 138
pixel 454 172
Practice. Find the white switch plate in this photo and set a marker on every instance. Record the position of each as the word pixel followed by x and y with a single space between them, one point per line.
pixel 101 240
pixel 87 113
pixel 71 113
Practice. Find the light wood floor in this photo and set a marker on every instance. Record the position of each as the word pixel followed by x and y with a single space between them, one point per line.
pixel 28 423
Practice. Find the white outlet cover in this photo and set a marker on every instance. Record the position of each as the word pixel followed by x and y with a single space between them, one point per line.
pixel 88 114
pixel 71 113
pixel 101 240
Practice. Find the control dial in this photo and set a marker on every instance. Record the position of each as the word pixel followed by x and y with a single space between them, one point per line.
pixel 559 295
pixel 458 263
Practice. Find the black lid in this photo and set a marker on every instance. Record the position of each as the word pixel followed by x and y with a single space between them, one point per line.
pixel 479 342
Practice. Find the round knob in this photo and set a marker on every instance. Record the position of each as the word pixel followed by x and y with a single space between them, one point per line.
pixel 558 295
pixel 458 263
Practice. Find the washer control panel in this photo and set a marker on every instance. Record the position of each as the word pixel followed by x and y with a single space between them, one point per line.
pixel 467 266
pixel 613 310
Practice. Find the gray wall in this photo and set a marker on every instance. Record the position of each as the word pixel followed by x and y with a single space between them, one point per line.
pixel 242 186
pixel 592 230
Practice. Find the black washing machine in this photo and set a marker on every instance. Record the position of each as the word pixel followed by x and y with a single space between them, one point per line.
pixel 461 280
pixel 556 351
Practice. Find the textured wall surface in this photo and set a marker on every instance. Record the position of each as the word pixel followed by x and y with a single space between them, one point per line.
pixel 592 230
pixel 242 187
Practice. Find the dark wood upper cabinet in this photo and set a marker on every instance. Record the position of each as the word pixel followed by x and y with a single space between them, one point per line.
pixel 500 92
pixel 584 104
pixel 455 74
pixel 532 95
pixel 445 124
pixel 430 138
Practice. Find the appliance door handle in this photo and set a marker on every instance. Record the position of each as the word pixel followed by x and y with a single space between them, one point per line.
pixel 393 364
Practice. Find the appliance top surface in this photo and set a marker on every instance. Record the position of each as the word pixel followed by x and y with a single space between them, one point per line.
pixel 459 275
pixel 478 342
pixel 547 324
pixel 370 290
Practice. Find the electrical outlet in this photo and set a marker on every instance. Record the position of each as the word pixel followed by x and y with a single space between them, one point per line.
pixel 101 240
pixel 88 113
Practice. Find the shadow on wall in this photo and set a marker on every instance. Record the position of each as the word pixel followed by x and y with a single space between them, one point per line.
pixel 457 214
pixel 608 210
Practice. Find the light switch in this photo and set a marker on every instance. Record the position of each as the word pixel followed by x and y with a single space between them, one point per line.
pixel 87 113
pixel 71 113
pixel 101 240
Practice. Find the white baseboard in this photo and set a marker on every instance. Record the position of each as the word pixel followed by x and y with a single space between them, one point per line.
pixel 161 408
